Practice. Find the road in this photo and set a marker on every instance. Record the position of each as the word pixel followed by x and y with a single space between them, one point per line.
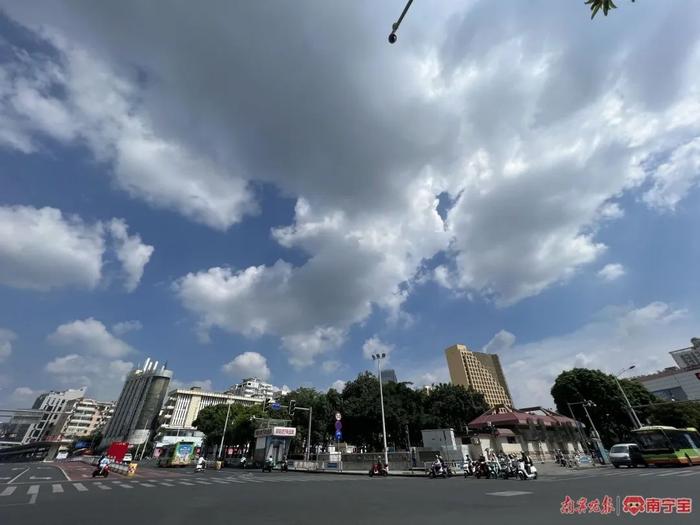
pixel 183 497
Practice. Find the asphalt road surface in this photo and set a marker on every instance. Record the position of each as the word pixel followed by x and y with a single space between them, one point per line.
pixel 229 496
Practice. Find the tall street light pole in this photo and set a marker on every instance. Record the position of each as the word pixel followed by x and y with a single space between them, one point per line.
pixel 633 415
pixel 378 358
pixel 221 446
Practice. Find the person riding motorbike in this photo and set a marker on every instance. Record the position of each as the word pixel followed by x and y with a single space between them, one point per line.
pixel 527 461
pixel 243 462
pixel 201 463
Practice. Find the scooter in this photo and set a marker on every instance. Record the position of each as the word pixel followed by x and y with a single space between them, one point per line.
pixel 437 470
pixel 285 466
pixel 468 468
pixel 101 471
pixel 482 469
pixel 267 466
pixel 199 467
pixel 523 474
pixel 378 469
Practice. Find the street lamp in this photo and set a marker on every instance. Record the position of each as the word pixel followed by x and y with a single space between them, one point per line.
pixel 221 446
pixel 633 415
pixel 378 358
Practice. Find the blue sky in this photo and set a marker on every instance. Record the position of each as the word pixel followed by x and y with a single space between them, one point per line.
pixel 283 207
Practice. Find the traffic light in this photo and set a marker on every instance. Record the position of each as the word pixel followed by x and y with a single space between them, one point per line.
pixel 292 406
pixel 266 403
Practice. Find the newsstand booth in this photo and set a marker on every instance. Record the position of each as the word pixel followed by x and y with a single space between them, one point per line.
pixel 272 441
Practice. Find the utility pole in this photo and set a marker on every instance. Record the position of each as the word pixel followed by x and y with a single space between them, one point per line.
pixel 633 415
pixel 378 357
pixel 221 446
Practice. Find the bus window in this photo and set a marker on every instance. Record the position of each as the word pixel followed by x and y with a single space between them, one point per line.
pixel 652 440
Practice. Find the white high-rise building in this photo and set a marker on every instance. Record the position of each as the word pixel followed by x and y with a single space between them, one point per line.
pixel 88 417
pixel 255 388
pixel 58 406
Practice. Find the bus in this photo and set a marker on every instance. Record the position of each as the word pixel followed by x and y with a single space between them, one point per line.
pixel 180 454
pixel 662 445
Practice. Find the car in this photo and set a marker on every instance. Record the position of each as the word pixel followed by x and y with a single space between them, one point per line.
pixel 626 454
pixel 127 458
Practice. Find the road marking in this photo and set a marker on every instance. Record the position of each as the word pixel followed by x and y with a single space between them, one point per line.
pixel 508 493
pixel 166 483
pixel 80 487
pixel 668 474
pixel 648 474
pixel 147 485
pixel 8 477
pixel 39 477
pixel 103 487
pixel 56 488
pixel 686 474
pixel 202 482
pixel 186 483
pixel 34 489
pixel 63 472
pixel 123 485
pixel 18 475
pixel 8 491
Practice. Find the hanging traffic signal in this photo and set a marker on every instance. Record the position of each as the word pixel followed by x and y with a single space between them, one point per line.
pixel 292 406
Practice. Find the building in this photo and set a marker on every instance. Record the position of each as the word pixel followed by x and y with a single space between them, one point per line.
pixel 58 407
pixel 538 431
pixel 389 376
pixel 677 383
pixel 181 409
pixel 480 371
pixel 88 416
pixel 183 406
pixel 136 412
pixel 254 388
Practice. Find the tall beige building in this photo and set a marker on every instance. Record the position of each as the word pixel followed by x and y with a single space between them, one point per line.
pixel 480 371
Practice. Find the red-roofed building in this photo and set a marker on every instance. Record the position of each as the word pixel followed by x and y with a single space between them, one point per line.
pixel 536 430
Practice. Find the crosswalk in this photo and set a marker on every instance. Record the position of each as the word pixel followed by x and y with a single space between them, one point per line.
pixel 629 473
pixel 22 491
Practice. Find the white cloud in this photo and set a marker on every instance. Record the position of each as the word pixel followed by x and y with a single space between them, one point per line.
pixel 89 336
pixel 131 252
pixel 330 366
pixel 104 377
pixel 611 272
pixel 43 249
pixel 248 364
pixel 6 338
pixel 125 327
pixel 100 109
pixel 503 340
pixel 205 384
pixel 534 141
pixel 374 345
pixel 338 385
pixel 25 392
pixel 617 337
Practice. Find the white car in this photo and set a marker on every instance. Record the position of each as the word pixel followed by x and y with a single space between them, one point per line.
pixel 127 458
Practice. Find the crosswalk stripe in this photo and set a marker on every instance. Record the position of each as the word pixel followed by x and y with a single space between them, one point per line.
pixel 166 483
pixel 186 483
pixel 8 491
pixel 34 489
pixel 80 487
pixel 56 487
pixel 103 487
pixel 123 485
pixel 147 485
pixel 686 474
pixel 202 482
pixel 668 474
pixel 648 474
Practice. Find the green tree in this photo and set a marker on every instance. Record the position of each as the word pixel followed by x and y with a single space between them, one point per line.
pixel 240 428
pixel 609 414
pixel 678 414
pixel 597 5
pixel 452 406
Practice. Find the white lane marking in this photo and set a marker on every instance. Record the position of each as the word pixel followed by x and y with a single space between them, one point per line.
pixel 508 493
pixel 18 475
pixel 202 482
pixel 123 485
pixel 56 488
pixel 146 485
pixel 166 483
pixel 39 477
pixel 103 487
pixel 8 477
pixel 186 483
pixel 80 487
pixel 33 490
pixel 669 474
pixel 686 474
pixel 648 474
pixel 63 472
pixel 8 491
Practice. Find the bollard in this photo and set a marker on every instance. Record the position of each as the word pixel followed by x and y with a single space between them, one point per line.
pixel 132 469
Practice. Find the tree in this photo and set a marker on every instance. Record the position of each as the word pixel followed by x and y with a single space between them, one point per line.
pixel 452 406
pixel 680 414
pixel 609 414
pixel 240 428
pixel 597 5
